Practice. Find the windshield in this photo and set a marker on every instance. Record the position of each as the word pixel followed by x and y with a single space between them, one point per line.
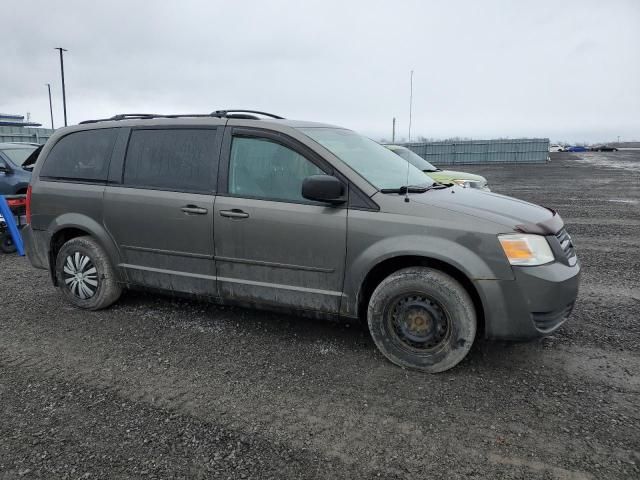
pixel 18 155
pixel 378 165
pixel 414 159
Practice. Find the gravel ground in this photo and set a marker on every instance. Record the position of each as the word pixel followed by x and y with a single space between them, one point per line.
pixel 156 387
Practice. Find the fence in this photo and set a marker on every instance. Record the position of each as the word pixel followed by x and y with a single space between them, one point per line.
pixel 521 150
pixel 24 134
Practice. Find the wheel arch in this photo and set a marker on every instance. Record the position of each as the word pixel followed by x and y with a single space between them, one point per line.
pixel 73 226
pixel 386 267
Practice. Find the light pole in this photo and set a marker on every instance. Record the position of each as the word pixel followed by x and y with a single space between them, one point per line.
pixel 410 102
pixel 64 93
pixel 393 131
pixel 50 105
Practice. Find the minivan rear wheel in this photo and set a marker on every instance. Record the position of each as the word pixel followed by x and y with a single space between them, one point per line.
pixel 85 275
pixel 423 319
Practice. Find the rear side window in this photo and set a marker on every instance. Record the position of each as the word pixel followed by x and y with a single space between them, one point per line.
pixel 172 159
pixel 81 155
pixel 18 155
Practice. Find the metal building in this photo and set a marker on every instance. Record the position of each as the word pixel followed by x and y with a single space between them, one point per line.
pixel 14 128
pixel 519 150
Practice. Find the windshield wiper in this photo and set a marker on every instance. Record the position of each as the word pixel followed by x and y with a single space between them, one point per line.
pixel 406 189
pixel 415 188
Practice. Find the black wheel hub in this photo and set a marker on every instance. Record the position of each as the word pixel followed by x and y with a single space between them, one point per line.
pixel 419 322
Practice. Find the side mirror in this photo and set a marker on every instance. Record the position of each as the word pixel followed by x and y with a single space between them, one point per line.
pixel 323 188
pixel 4 168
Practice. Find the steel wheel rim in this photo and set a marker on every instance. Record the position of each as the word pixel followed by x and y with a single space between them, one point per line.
pixel 418 323
pixel 80 275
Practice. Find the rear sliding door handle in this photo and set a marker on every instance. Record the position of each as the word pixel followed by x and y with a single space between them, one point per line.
pixel 235 213
pixel 194 210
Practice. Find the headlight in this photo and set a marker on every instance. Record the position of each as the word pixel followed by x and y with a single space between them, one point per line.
pixel 525 249
pixel 463 182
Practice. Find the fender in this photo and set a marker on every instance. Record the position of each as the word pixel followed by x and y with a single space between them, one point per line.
pixel 92 228
pixel 454 253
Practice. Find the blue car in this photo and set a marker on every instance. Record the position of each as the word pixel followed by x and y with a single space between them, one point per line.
pixel 14 179
pixel 576 149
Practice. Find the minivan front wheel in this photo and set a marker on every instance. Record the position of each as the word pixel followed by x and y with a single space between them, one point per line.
pixel 423 319
pixel 85 275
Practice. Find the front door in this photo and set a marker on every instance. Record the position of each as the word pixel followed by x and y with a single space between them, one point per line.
pixel 161 212
pixel 272 246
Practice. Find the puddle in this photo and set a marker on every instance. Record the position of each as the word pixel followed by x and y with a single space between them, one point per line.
pixel 600 160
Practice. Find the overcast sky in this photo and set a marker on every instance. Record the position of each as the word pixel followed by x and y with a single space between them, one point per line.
pixel 569 70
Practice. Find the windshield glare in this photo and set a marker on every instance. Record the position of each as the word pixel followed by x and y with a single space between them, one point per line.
pixel 414 159
pixel 18 155
pixel 377 164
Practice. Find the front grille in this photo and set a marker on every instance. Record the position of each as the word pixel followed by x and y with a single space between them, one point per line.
pixel 566 245
pixel 547 321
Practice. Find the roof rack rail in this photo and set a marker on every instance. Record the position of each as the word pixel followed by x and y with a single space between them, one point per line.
pixel 125 116
pixel 232 113
pixel 122 116
pixel 237 112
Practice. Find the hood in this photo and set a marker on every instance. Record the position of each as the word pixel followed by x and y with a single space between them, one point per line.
pixel 455 175
pixel 510 212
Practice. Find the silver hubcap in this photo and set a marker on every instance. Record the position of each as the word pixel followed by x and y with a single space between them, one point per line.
pixel 80 275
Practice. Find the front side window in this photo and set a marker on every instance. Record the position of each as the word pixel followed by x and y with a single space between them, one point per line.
pixel 180 159
pixel 264 169
pixel 378 165
pixel 81 155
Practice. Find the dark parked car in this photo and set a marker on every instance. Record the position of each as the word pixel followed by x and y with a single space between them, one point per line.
pixel 298 216
pixel 14 179
pixel 603 148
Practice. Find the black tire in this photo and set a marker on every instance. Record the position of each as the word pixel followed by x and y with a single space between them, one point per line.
pixel 6 243
pixel 98 271
pixel 423 319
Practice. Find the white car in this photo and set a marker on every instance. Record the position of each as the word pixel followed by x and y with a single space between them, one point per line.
pixel 556 148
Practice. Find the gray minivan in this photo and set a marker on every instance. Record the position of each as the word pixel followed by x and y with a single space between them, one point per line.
pixel 251 209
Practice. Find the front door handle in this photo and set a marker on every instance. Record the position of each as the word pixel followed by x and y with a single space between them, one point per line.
pixel 194 210
pixel 235 213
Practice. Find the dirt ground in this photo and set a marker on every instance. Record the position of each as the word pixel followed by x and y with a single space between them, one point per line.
pixel 157 387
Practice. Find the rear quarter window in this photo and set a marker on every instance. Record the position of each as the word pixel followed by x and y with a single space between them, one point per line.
pixel 82 156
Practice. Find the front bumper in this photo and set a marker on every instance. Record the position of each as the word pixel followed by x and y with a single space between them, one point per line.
pixel 535 303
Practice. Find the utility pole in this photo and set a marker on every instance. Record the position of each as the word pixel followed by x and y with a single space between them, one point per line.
pixel 618 140
pixel 393 131
pixel 64 94
pixel 50 105
pixel 410 102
